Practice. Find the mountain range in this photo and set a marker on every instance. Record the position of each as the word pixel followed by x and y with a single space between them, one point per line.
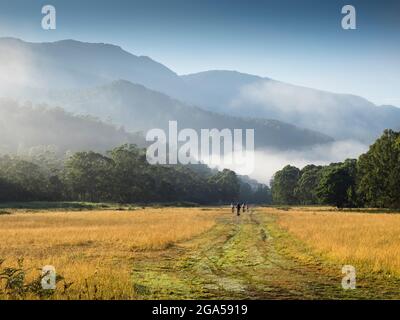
pixel 139 93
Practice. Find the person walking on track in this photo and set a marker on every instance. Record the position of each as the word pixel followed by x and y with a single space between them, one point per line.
pixel 238 206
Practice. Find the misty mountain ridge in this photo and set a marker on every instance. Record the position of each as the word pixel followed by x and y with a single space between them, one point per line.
pixel 71 64
pixel 342 116
pixel 138 108
pixel 74 65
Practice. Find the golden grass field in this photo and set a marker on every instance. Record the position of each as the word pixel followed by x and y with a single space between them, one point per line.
pixel 369 241
pixel 94 249
pixel 101 254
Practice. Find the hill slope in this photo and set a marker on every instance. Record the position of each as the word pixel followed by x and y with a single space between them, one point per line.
pixel 341 116
pixel 73 64
pixel 24 127
pixel 138 108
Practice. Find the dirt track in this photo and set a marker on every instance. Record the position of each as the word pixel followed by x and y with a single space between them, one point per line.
pixel 243 259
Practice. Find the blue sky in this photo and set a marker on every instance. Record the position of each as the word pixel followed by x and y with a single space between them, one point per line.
pixel 295 41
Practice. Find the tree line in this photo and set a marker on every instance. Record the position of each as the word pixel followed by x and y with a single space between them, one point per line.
pixel 372 180
pixel 121 175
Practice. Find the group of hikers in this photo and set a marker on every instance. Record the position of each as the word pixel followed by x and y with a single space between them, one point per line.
pixel 244 207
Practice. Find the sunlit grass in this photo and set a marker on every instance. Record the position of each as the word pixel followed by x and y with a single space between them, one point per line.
pixel 95 249
pixel 367 241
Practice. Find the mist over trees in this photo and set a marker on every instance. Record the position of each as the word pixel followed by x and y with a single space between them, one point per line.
pixel 371 181
pixel 121 175
pixel 24 127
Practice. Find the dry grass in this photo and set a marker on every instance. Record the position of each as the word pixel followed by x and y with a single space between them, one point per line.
pixel 370 242
pixel 95 249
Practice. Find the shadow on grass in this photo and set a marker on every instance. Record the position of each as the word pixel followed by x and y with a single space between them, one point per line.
pixel 76 205
pixel 42 205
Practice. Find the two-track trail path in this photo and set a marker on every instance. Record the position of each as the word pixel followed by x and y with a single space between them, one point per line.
pixel 241 259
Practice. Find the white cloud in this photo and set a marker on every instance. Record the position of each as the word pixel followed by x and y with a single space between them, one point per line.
pixel 267 162
pixel 287 98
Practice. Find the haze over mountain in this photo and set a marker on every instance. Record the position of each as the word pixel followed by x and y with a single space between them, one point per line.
pixel 70 64
pixel 140 109
pixel 26 127
pixel 341 116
